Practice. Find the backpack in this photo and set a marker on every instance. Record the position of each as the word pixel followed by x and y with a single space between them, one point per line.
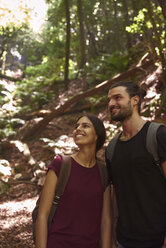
pixel 60 187
pixel 151 143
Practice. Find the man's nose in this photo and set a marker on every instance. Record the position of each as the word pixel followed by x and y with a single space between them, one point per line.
pixel 111 102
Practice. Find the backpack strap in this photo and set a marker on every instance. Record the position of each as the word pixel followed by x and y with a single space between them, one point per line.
pixel 61 183
pixel 103 173
pixel 111 147
pixel 151 141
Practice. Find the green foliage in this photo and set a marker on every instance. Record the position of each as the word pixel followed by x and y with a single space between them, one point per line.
pixel 139 22
pixel 8 125
pixel 38 70
pixel 31 94
pixel 142 23
pixel 3 188
pixel 44 54
pixel 106 66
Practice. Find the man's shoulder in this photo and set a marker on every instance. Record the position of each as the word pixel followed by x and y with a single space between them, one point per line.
pixel 158 127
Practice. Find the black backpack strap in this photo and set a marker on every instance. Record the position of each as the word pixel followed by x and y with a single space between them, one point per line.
pixel 151 141
pixel 111 147
pixel 104 174
pixel 61 183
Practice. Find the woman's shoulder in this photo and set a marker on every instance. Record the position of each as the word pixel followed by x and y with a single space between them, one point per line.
pixel 56 164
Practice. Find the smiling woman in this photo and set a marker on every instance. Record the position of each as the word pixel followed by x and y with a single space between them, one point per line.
pixel 82 217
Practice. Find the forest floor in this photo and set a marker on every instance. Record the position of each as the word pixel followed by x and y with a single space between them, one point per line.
pixel 15 212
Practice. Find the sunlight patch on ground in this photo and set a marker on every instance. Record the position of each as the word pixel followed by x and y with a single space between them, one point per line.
pixel 5 167
pixel 12 212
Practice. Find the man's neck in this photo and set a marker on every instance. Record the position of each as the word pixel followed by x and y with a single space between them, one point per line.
pixel 132 126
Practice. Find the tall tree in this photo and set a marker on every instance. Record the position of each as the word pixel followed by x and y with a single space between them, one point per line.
pixel 126 21
pixel 162 3
pixel 158 39
pixel 116 21
pixel 93 48
pixel 82 33
pixel 67 53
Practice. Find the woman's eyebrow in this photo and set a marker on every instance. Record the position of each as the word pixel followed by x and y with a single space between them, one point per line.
pixel 84 123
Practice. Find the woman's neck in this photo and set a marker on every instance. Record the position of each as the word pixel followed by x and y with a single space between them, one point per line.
pixel 86 159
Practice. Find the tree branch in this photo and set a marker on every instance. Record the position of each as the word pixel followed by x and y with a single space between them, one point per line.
pixel 38 128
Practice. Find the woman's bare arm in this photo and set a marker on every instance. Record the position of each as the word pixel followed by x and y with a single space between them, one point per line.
pixel 106 220
pixel 47 197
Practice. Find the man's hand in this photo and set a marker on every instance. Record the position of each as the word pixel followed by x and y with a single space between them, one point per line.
pixel 164 244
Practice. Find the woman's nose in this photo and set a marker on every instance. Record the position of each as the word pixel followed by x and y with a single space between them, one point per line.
pixel 78 127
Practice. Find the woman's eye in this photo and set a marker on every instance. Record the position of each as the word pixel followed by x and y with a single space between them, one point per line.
pixel 82 125
pixel 85 125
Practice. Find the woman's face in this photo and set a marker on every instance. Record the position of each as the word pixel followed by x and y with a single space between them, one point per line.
pixel 84 132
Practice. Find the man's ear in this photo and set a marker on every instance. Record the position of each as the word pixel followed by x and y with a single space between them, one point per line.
pixel 135 100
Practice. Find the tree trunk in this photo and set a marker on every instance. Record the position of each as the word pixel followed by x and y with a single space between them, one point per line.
pixel 158 40
pixel 162 4
pixel 162 107
pixel 67 56
pixel 93 48
pixel 135 7
pixel 82 33
pixel 40 126
pixel 117 32
pixel 105 14
pixel 4 61
pixel 126 22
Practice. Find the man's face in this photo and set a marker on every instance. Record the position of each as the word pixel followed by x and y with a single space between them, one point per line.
pixel 119 104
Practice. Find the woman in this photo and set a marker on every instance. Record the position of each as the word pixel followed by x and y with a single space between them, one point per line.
pixel 82 217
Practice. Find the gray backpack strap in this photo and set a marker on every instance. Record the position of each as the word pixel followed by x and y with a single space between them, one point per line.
pixel 111 147
pixel 104 174
pixel 151 140
pixel 61 183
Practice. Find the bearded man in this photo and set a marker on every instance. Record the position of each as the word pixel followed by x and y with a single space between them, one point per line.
pixel 139 185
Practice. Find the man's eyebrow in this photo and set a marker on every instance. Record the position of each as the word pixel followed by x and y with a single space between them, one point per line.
pixel 118 94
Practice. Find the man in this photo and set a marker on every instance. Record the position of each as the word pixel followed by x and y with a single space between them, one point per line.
pixel 140 187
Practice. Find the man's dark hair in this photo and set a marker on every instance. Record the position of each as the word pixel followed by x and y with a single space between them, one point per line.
pixel 99 129
pixel 133 90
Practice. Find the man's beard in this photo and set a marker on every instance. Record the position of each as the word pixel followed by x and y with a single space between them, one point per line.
pixel 124 113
